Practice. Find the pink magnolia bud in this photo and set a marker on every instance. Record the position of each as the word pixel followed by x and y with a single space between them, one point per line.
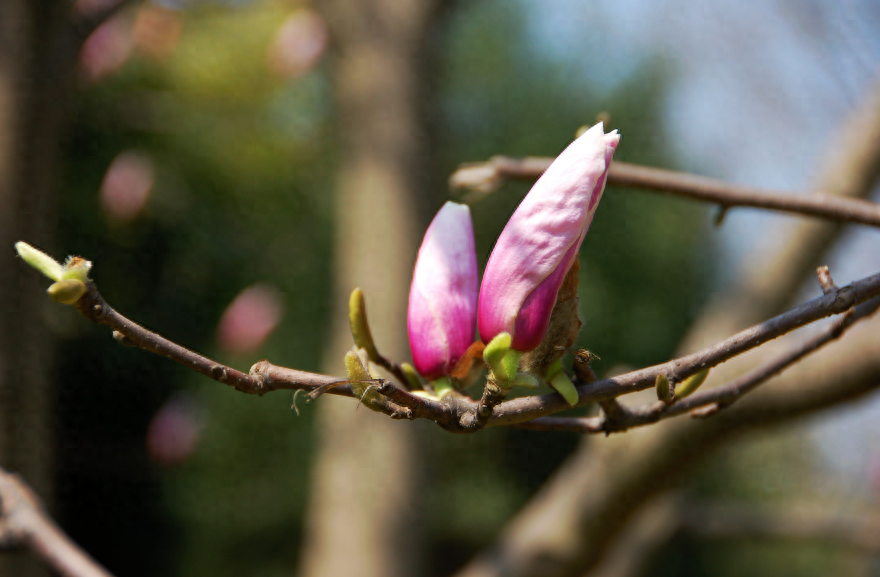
pixel 541 242
pixel 443 296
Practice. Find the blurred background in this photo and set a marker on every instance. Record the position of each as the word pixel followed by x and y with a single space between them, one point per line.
pixel 235 168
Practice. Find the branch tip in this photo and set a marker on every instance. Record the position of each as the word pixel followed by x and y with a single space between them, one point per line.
pixel 825 280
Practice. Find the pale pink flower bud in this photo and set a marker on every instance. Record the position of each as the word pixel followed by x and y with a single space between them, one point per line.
pixel 541 242
pixel 443 296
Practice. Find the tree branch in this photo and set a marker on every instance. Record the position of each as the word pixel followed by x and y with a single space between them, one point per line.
pixel 24 522
pixel 847 166
pixel 528 408
pixel 583 509
pixel 484 178
pixel 461 414
pixel 621 418
pixel 586 507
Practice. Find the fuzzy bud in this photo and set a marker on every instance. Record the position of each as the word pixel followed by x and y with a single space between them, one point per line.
pixel 443 296
pixel 541 242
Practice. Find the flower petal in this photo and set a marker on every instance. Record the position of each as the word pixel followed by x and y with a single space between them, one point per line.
pixel 427 343
pixel 443 295
pixel 542 238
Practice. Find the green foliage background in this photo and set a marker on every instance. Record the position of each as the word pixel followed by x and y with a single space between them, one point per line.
pixel 243 195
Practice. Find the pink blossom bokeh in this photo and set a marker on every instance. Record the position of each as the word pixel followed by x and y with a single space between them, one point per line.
pixel 127 185
pixel 298 45
pixel 249 319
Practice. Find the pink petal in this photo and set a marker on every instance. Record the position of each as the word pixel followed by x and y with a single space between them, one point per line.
pixel 443 295
pixel 542 239
pixel 532 322
pixel 428 343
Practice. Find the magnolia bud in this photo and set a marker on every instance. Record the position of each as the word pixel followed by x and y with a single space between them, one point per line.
pixel 443 296
pixel 541 242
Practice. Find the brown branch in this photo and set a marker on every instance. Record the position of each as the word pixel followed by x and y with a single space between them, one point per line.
pixel 529 408
pixel 847 166
pixel 393 368
pixel 461 414
pixel 621 418
pixel 483 178
pixel 479 417
pixel 585 507
pixel 263 377
pixel 24 522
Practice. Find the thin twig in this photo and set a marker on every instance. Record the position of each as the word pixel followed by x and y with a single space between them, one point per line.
pixel 712 400
pixel 478 418
pixel 460 415
pixel 485 177
pixel 526 409
pixel 825 280
pixel 419 407
pixel 24 522
pixel 393 368
pixel 264 377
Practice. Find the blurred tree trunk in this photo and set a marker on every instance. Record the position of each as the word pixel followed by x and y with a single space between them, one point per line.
pixel 360 519
pixel 37 56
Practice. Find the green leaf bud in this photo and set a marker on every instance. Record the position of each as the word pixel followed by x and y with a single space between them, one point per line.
pixel 357 371
pixel 360 328
pixel 661 385
pixel 525 380
pixel 412 376
pixel 563 385
pixel 40 260
pixel 442 387
pixel 76 267
pixel 691 384
pixel 554 369
pixel 67 291
pixel 494 355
